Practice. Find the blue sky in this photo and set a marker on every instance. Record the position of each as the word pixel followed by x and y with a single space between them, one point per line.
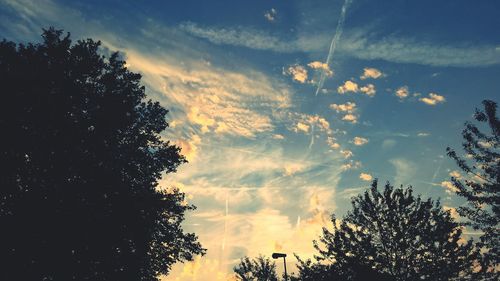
pixel 270 159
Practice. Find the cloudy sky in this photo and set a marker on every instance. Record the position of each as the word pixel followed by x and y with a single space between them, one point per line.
pixel 285 109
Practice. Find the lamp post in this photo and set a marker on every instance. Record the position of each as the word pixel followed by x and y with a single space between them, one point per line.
pixel 281 255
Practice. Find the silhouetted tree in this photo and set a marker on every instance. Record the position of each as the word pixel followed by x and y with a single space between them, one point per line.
pixel 481 184
pixel 390 235
pixel 354 271
pixel 258 269
pixel 81 156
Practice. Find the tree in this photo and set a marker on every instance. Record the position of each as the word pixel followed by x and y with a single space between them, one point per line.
pixel 81 156
pixel 481 184
pixel 259 269
pixel 390 235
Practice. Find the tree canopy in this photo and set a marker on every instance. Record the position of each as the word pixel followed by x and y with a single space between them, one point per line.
pixel 258 269
pixel 81 156
pixel 391 235
pixel 480 184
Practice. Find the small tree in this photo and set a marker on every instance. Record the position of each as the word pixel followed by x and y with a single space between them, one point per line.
pixel 259 269
pixel 81 156
pixel 481 184
pixel 394 235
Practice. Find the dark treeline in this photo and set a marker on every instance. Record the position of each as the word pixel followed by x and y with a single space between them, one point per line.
pixel 391 234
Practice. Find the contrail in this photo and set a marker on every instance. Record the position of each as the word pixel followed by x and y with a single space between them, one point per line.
pixel 333 44
pixel 225 223
pixel 312 137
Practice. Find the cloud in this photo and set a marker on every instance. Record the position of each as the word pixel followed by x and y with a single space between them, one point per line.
pixel 278 137
pixel 453 212
pixel 455 174
pixel 350 118
pixel 405 170
pixel 485 144
pixel 238 36
pixel 370 73
pixel 402 92
pixel 189 147
pixel 349 86
pixel 365 177
pixel 298 73
pixel 292 168
pixel 362 45
pixel 317 65
pixel 304 122
pixel 346 153
pixel 271 15
pixel 351 165
pixel 433 99
pixel 368 90
pixel 332 143
pixel 214 99
pixel 388 143
pixel 348 107
pixel 356 43
pixel 450 188
pixel 359 141
pixel 302 127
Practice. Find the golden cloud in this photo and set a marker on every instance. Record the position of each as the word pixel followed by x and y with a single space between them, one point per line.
pixel 433 99
pixel 368 90
pixel 348 107
pixel 450 188
pixel 371 73
pixel 350 118
pixel 298 73
pixel 321 66
pixel 359 141
pixel 402 92
pixel 349 86
pixel 365 177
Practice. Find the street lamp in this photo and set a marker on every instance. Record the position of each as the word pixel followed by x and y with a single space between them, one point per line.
pixel 281 255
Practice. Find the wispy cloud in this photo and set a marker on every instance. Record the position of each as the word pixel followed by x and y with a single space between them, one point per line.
pixel 357 44
pixel 423 134
pixel 239 36
pixel 411 50
pixel 405 170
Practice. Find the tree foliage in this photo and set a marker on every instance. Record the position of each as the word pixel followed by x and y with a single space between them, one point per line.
pixel 390 235
pixel 481 183
pixel 81 156
pixel 258 269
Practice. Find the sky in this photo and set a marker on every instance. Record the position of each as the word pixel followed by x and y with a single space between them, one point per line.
pixel 285 109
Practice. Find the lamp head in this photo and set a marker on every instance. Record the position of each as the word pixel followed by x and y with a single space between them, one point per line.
pixel 278 255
